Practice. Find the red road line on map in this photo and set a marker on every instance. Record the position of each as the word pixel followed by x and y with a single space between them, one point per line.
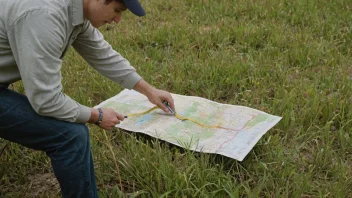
pixel 236 132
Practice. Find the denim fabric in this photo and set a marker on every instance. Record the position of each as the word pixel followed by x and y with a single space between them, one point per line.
pixel 3 86
pixel 67 144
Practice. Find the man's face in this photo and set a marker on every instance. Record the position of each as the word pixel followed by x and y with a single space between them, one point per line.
pixel 99 13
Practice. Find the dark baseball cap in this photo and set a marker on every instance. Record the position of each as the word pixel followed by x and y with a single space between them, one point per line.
pixel 135 7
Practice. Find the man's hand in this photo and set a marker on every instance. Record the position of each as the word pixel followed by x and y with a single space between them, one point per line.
pixel 155 96
pixel 110 118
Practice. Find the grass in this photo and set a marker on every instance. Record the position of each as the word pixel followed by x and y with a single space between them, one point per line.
pixel 288 58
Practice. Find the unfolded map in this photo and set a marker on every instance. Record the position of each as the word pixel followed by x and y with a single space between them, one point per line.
pixel 244 126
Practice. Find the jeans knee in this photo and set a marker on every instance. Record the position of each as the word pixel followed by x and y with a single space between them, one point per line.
pixel 79 135
pixel 74 146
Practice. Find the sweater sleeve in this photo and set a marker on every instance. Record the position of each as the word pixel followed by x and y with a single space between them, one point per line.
pixel 37 39
pixel 90 44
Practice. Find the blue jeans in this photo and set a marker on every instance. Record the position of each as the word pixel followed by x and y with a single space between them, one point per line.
pixel 67 144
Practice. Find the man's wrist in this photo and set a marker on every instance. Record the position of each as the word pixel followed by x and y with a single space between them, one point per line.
pixel 143 87
pixel 100 118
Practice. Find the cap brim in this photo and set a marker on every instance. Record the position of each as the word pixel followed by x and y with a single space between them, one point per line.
pixel 135 7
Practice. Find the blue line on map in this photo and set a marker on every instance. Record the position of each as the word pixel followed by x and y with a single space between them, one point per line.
pixel 145 118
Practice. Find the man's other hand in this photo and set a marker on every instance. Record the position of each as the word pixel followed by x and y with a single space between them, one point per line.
pixel 110 118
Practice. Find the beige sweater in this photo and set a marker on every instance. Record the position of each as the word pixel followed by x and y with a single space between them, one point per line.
pixel 34 37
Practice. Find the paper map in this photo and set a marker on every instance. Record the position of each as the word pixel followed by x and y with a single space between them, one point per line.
pixel 245 125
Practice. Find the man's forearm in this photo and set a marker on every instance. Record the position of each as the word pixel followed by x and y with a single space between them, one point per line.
pixel 94 116
pixel 143 87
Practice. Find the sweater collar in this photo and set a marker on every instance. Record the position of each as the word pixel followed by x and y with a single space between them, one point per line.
pixel 77 12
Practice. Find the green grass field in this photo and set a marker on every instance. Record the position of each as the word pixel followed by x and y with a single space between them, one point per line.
pixel 288 58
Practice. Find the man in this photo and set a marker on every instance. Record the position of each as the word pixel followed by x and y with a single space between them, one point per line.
pixel 34 36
